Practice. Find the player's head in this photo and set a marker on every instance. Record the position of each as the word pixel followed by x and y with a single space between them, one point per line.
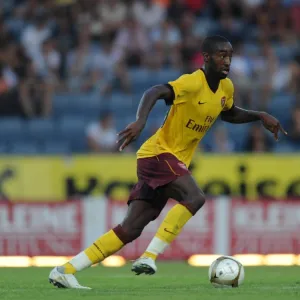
pixel 217 52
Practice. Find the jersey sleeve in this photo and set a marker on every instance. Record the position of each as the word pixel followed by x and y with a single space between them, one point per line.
pixel 229 89
pixel 184 85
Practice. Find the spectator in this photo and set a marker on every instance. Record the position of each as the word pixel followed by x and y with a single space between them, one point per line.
pixel 190 49
pixel 148 13
pixel 101 135
pixel 109 70
pixel 5 36
pixel 97 44
pixel 231 29
pixel 35 35
pixel 35 91
pixel 273 20
pixel 221 143
pixel 79 63
pixel 65 39
pixel 258 141
pixel 176 10
pixel 166 42
pixel 17 22
pixel 132 43
pixel 295 15
pixel 48 63
pixel 112 15
pixel 294 129
pixel 196 5
pixel 252 4
pixel 9 101
pixel 222 8
pixel 241 70
pixel 22 93
pixel 295 74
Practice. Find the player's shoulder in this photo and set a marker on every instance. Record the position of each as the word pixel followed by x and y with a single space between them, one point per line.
pixel 193 77
pixel 189 81
pixel 196 78
pixel 228 86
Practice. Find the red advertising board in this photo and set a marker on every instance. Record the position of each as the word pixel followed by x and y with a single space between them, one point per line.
pixel 222 226
pixel 264 227
pixel 196 237
pixel 41 228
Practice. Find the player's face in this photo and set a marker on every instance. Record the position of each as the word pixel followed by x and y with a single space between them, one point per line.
pixel 220 60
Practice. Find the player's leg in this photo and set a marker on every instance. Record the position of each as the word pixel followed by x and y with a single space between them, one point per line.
pixel 139 214
pixel 191 199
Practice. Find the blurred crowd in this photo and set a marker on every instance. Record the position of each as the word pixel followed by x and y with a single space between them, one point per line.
pixel 83 46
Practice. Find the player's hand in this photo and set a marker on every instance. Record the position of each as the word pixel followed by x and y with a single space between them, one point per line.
pixel 272 124
pixel 130 133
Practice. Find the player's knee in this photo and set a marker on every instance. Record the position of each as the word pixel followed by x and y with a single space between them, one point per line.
pixel 199 200
pixel 195 202
pixel 127 234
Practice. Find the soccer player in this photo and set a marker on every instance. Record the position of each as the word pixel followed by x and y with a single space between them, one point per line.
pixel 196 100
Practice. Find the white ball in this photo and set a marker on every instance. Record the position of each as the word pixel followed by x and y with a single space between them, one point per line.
pixel 226 272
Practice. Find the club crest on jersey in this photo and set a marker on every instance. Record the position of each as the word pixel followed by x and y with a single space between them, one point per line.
pixel 223 100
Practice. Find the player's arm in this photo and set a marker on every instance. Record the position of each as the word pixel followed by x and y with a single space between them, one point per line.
pixel 149 98
pixel 238 115
pixel 163 91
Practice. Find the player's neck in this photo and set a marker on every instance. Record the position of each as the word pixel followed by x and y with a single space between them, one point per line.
pixel 212 80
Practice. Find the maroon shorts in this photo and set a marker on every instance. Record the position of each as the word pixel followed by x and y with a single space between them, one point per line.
pixel 153 174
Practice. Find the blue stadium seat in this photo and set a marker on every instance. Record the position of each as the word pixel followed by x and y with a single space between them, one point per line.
pixel 56 147
pixel 71 129
pixel 120 123
pixel 238 134
pixel 3 148
pixel 166 75
pixel 41 129
pixel 146 133
pixel 284 147
pixel 79 145
pixel 140 79
pixel 281 106
pixel 84 106
pixel 138 75
pixel 120 100
pixel 60 105
pixel 125 112
pixel 24 148
pixel 11 129
pixel 161 77
pixel 77 105
pixel 93 108
pixel 284 53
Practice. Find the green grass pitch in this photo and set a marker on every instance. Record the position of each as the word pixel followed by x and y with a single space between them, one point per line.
pixel 173 281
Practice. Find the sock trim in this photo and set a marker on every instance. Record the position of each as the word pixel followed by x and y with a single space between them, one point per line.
pixel 80 261
pixel 157 245
pixel 99 250
pixel 186 205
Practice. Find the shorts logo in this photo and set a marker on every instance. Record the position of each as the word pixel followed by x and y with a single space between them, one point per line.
pixel 182 165
pixel 223 100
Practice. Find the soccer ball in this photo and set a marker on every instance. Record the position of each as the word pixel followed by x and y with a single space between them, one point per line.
pixel 226 272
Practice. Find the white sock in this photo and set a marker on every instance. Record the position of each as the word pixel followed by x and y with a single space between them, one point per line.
pixel 80 261
pixel 157 246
